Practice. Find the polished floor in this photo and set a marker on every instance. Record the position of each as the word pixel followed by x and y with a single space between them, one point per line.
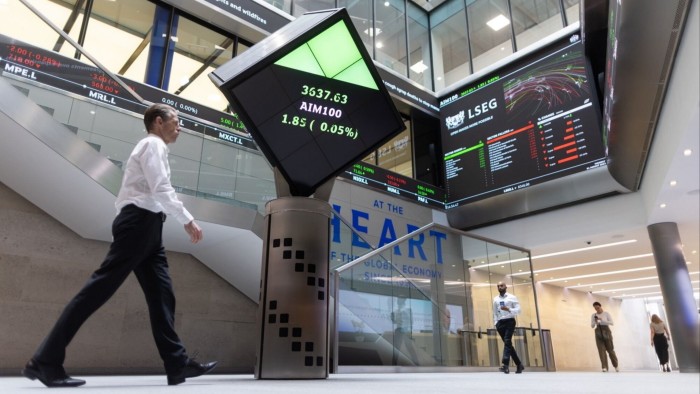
pixel 389 383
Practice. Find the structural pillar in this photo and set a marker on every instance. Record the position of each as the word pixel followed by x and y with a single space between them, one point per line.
pixel 677 291
pixel 293 310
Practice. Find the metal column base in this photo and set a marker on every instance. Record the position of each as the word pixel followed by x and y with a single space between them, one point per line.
pixel 293 310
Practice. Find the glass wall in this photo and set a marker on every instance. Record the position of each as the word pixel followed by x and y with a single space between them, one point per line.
pixel 487 29
pixel 490 32
pixel 396 155
pixel 390 35
pixel 420 69
pixel 534 19
pixel 440 47
pixel 128 24
pixel 300 7
pixel 197 51
pixel 572 11
pixel 177 57
pixel 284 5
pixel 14 19
pixel 428 301
pixel 450 44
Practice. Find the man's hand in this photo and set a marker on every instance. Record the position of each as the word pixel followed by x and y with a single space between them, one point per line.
pixel 194 231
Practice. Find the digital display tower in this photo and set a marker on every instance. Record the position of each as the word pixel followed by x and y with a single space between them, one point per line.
pixel 311 98
pixel 313 102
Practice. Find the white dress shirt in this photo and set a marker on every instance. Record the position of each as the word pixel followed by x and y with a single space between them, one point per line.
pixel 508 300
pixel 604 319
pixel 146 182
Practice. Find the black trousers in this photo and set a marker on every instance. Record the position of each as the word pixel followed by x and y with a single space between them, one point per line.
pixel 661 348
pixel 505 328
pixel 137 247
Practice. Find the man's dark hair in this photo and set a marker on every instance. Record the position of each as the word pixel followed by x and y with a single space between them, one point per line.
pixel 154 111
pixel 596 303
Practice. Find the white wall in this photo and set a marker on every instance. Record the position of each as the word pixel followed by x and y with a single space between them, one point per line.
pixel 567 314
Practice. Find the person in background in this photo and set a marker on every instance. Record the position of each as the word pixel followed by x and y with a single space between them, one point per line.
pixel 402 319
pixel 505 308
pixel 659 341
pixel 601 322
pixel 446 321
pixel 145 197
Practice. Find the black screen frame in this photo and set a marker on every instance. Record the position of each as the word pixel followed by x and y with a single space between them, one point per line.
pixel 529 180
pixel 274 48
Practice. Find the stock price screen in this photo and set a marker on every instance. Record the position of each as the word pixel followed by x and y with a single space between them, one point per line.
pixel 316 105
pixel 535 120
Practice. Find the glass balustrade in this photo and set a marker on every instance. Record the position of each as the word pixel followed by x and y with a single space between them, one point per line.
pixel 425 300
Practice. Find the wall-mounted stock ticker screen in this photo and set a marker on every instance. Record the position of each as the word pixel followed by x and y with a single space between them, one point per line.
pixel 315 104
pixel 535 120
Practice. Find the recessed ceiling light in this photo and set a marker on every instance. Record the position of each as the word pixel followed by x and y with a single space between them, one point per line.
pixel 662 205
pixel 498 22
pixel 673 183
pixel 587 248
pixel 652 267
pixel 419 67
pixel 613 260
pixel 687 152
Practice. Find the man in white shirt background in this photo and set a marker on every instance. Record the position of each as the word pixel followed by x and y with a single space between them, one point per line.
pixel 145 198
pixel 505 308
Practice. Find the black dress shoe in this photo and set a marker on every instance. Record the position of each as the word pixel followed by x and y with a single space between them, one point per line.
pixel 519 369
pixel 50 376
pixel 191 370
pixel 504 369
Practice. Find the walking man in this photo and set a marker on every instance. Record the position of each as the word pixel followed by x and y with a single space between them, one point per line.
pixel 145 198
pixel 505 308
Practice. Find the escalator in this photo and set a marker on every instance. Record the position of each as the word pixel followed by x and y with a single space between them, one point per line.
pixel 47 156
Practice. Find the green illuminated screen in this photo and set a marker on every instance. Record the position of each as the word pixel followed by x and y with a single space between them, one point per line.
pixel 318 107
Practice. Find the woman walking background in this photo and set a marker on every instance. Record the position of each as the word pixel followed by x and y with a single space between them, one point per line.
pixel 659 341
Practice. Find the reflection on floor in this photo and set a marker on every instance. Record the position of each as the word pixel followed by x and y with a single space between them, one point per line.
pixel 632 382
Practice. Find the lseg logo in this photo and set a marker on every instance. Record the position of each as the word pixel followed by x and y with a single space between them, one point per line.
pixel 454 121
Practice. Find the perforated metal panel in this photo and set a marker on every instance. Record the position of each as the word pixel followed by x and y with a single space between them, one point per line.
pixel 293 311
